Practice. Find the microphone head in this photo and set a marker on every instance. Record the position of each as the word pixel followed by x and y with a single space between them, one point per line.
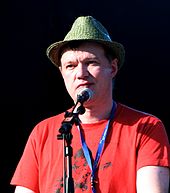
pixel 84 95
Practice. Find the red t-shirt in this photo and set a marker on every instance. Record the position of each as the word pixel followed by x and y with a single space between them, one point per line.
pixel 135 139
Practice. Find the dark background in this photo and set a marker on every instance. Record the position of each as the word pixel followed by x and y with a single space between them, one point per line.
pixel 32 88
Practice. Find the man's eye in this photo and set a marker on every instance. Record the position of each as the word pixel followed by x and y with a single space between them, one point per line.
pixel 70 66
pixel 92 62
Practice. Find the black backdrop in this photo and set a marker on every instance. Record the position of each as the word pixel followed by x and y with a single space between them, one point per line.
pixel 32 88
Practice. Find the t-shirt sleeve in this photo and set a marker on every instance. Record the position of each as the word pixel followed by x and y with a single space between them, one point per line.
pixel 26 173
pixel 153 145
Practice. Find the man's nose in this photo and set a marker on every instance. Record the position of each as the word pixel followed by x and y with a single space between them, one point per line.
pixel 82 70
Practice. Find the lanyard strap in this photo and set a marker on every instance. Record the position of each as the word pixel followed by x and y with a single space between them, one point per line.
pixel 93 166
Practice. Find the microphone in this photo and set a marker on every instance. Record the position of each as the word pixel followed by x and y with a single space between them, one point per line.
pixel 84 95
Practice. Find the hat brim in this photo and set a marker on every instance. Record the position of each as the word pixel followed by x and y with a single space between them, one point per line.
pixel 54 49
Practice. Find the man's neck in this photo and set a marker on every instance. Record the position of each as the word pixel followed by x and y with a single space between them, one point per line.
pixel 95 113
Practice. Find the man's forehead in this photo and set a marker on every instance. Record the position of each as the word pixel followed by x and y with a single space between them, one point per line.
pixel 74 55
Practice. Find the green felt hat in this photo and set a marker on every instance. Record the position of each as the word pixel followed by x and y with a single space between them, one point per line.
pixel 86 28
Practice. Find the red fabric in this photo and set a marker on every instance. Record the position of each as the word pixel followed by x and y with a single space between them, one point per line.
pixel 135 140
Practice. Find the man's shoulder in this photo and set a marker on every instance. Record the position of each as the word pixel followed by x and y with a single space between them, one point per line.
pixel 49 123
pixel 52 119
pixel 130 113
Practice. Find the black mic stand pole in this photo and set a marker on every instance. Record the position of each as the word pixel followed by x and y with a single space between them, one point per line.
pixel 70 119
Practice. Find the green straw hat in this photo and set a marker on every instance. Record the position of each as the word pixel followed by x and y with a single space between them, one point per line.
pixel 86 28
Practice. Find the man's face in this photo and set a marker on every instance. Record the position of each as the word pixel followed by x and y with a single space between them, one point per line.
pixel 88 67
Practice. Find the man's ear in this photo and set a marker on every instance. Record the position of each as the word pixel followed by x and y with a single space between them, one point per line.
pixel 114 65
pixel 60 69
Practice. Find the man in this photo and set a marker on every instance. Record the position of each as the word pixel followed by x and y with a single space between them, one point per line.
pixel 115 148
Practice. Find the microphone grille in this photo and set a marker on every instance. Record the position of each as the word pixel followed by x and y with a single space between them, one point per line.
pixel 85 94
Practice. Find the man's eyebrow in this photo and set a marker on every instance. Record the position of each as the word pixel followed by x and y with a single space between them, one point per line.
pixel 91 57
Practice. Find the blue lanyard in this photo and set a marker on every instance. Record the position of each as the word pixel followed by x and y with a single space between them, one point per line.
pixel 99 150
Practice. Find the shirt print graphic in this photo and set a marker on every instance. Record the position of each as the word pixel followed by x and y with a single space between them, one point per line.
pixel 81 173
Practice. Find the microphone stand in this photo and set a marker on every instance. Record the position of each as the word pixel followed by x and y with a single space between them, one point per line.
pixel 70 119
